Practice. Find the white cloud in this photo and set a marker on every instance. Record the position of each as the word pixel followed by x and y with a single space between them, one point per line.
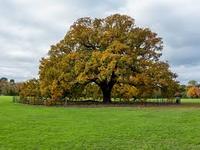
pixel 28 28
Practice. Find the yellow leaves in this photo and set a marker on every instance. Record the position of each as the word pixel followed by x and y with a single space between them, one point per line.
pixel 193 92
pixel 56 90
pixel 101 65
pixel 30 88
pixel 108 64
pixel 130 91
pixel 117 47
pixel 94 62
pixel 125 91
pixel 82 78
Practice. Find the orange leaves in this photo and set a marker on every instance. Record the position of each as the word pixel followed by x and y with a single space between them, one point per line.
pixel 193 92
pixel 125 91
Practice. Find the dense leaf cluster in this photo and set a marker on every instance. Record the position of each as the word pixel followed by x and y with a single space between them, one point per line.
pixel 105 58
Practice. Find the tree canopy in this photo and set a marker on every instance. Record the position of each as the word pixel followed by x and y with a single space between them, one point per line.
pixel 9 87
pixel 111 53
pixel 192 83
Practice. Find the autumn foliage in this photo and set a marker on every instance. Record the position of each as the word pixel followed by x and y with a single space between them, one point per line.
pixel 106 58
pixel 9 87
pixel 193 92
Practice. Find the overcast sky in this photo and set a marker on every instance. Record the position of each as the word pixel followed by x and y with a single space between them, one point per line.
pixel 29 27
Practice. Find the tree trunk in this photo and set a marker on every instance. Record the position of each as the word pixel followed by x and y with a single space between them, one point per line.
pixel 106 95
pixel 106 88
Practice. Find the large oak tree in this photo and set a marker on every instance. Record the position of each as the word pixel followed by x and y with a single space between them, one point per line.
pixel 108 52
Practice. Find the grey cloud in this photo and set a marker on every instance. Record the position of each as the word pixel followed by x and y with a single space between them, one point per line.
pixel 186 73
pixel 178 24
pixel 28 28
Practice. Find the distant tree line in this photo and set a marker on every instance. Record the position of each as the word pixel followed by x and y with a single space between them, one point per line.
pixel 9 87
pixel 190 90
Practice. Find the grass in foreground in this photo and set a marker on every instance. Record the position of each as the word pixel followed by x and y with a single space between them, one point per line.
pixel 39 127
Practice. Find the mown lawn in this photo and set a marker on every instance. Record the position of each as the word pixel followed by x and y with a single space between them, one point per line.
pixel 191 100
pixel 38 127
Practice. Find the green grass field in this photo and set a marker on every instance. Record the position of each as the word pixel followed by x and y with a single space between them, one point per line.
pixel 38 127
